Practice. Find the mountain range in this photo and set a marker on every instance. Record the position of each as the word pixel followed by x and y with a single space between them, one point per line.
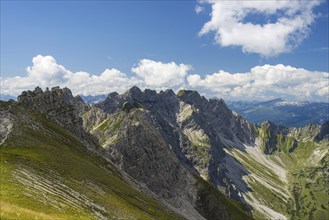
pixel 149 155
pixel 281 112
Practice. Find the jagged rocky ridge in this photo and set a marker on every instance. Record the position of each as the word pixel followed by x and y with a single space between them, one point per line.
pixel 140 151
pixel 195 129
pixel 166 142
pixel 59 104
pixel 215 143
pixel 47 172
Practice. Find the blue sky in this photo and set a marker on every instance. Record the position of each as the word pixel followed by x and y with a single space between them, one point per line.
pixel 165 44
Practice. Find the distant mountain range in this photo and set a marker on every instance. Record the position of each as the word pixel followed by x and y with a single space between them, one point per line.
pixel 7 97
pixel 281 112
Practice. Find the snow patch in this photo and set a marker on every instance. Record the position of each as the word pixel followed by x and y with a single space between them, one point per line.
pixel 286 103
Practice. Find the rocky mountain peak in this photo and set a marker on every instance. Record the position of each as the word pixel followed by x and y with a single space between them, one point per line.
pixel 133 91
pixel 169 92
pixel 112 95
pixel 186 92
pixel 78 98
pixel 191 96
pixel 136 98
pixel 37 97
pixel 59 104
pixel 267 123
pixel 268 133
pixel 274 128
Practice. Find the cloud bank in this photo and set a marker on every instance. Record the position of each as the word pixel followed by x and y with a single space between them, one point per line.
pixel 277 26
pixel 260 83
pixel 266 82
pixel 46 72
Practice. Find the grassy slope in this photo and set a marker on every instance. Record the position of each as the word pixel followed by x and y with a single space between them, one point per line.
pixel 266 195
pixel 46 174
pixel 307 175
pixel 308 179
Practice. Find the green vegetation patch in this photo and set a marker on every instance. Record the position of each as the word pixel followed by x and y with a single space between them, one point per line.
pixel 183 92
pixel 310 193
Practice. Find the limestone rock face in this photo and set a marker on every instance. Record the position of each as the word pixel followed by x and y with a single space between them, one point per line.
pixel 6 125
pixel 306 133
pixel 135 142
pixel 196 129
pixel 80 105
pixel 323 135
pixel 268 135
pixel 112 102
pixel 59 104
pixel 141 151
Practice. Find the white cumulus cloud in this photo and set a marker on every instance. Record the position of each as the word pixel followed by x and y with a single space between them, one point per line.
pixel 260 83
pixel 158 74
pixel 267 28
pixel 46 72
pixel 265 82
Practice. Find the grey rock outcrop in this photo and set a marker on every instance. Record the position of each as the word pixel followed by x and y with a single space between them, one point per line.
pixel 134 142
pixel 58 104
pixel 196 129
pixel 269 133
pixel 323 135
pixel 6 125
pixel 141 152
pixel 306 133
